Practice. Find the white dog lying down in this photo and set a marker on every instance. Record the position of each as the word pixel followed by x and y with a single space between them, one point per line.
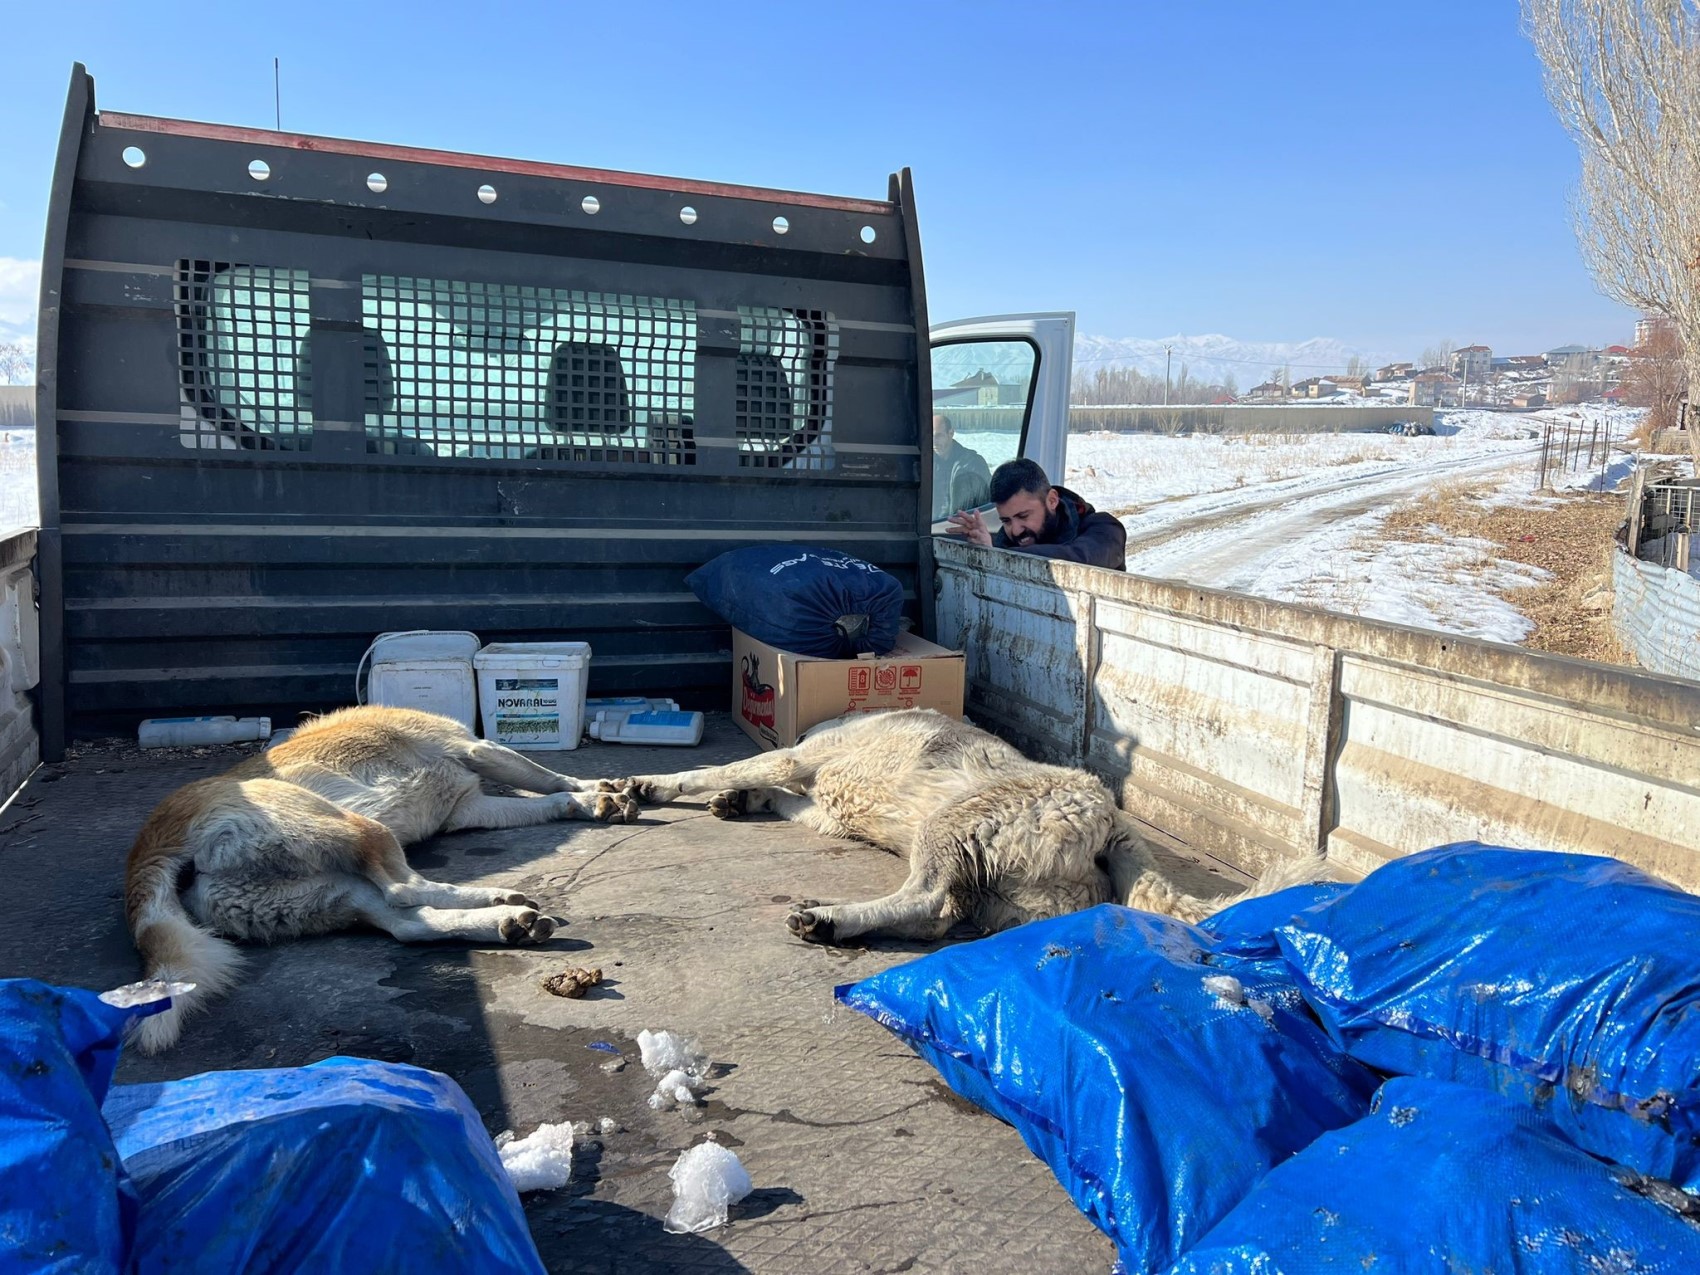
pixel 307 837
pixel 992 838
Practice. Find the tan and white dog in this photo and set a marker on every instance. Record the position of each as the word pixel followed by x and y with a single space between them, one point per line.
pixel 992 838
pixel 307 837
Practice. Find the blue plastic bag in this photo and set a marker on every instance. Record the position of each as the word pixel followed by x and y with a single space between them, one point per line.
pixel 346 1165
pixel 1442 1178
pixel 799 598
pixel 1157 1099
pixel 1568 981
pixel 65 1203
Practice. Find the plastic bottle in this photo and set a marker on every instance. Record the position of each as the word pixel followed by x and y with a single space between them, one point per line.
pixel 630 704
pixel 184 732
pixel 683 730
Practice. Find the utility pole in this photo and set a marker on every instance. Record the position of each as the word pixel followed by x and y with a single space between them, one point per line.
pixel 277 93
pixel 1168 360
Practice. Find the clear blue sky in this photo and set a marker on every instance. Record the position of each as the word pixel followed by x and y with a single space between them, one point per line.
pixel 1385 173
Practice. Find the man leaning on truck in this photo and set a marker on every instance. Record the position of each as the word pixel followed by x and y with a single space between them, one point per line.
pixel 1038 518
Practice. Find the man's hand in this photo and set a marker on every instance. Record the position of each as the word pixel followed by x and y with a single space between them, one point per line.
pixel 971 527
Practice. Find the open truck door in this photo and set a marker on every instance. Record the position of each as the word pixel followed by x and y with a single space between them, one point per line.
pixel 1002 383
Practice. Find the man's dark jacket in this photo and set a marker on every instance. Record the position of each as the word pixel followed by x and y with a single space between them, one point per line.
pixel 960 480
pixel 1082 535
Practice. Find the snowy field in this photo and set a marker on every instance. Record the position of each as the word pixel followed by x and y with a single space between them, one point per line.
pixel 1297 518
pixel 18 505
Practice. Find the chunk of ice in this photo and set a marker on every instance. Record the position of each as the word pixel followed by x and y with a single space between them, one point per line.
pixel 606 1126
pixel 145 992
pixel 676 1086
pixel 707 1181
pixel 540 1161
pixel 666 1051
pixel 1227 989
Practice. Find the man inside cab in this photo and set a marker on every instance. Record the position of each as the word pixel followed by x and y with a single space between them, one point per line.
pixel 1038 518
pixel 960 479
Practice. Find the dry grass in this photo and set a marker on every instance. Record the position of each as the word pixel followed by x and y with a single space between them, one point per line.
pixel 1569 537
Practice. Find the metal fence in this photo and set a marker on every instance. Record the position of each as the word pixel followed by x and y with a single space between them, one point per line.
pixel 1656 610
pixel 1576 444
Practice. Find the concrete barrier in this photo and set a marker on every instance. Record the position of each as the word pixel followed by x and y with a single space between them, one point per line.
pixel 1252 730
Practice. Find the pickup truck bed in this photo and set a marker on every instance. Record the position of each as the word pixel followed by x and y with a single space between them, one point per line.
pixel 862 1160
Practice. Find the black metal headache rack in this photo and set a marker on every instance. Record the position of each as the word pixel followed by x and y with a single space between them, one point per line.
pixel 298 390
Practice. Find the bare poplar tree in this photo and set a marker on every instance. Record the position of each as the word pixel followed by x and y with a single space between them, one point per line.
pixel 1624 79
pixel 1438 355
pixel 16 367
pixel 1656 378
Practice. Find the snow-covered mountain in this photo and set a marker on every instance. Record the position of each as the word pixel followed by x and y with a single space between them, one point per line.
pixel 1214 357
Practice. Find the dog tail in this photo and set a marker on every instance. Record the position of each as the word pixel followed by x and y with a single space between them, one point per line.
pixel 173 947
pixel 1136 882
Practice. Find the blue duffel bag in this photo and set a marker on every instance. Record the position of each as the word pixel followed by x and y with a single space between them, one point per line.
pixel 1157 1076
pixel 1449 1178
pixel 344 1165
pixel 65 1202
pixel 800 598
pixel 1570 982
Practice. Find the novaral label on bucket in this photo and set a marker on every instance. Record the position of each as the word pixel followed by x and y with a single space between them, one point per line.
pixel 528 710
pixel 531 694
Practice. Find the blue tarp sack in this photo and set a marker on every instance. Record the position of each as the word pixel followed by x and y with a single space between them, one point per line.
pixel 799 598
pixel 1158 1078
pixel 65 1203
pixel 345 1165
pixel 1568 981
pixel 1445 1177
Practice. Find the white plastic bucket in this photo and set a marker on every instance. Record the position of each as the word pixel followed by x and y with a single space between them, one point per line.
pixel 531 694
pixel 425 669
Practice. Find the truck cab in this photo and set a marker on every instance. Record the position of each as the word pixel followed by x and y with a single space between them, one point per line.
pixel 1001 383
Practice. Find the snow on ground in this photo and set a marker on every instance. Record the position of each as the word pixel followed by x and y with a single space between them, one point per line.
pixel 1297 518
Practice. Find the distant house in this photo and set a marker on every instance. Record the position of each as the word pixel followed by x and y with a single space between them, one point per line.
pixel 1616 351
pixel 1575 358
pixel 1526 362
pixel 1314 387
pixel 1223 399
pixel 1268 392
pixel 1354 383
pixel 1434 389
pixel 1396 372
pixel 1533 399
pixel 1473 363
pixel 1649 326
pixel 983 385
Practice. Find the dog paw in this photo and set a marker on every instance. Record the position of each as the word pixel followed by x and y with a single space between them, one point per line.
pixel 809 925
pixel 615 807
pixel 526 926
pixel 731 804
pixel 651 792
pixel 610 785
pixel 508 898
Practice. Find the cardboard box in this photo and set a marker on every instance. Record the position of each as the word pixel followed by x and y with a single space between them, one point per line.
pixel 778 694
